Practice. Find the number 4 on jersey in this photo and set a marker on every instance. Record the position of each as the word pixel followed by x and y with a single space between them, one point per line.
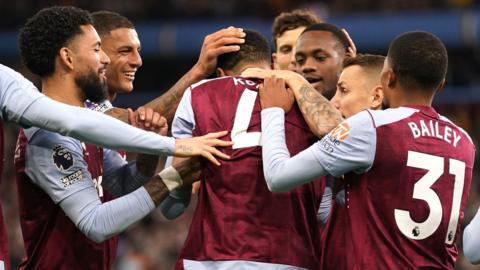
pixel 240 137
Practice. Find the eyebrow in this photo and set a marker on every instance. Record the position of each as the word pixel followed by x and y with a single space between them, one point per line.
pixel 315 51
pixel 129 47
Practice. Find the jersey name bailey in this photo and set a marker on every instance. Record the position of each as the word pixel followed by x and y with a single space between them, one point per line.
pixel 433 129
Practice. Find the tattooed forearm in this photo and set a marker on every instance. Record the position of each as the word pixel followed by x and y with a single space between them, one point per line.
pixel 184 149
pixel 167 104
pixel 319 114
pixel 157 190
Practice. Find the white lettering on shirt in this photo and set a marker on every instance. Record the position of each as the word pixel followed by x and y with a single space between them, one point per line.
pixel 433 129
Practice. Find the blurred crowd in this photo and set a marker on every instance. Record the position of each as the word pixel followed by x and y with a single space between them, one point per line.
pixel 13 12
pixel 154 243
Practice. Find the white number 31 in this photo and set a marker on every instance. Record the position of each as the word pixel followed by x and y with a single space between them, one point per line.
pixel 422 191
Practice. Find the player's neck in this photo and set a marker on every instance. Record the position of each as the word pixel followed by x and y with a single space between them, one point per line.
pixel 63 89
pixel 112 95
pixel 402 98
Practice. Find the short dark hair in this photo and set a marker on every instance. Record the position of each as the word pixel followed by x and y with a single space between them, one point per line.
pixel 335 30
pixel 367 61
pixel 255 49
pixel 44 34
pixel 419 59
pixel 106 21
pixel 294 19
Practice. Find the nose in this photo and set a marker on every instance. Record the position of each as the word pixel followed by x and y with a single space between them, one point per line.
pixel 292 66
pixel 335 101
pixel 308 66
pixel 136 59
pixel 104 59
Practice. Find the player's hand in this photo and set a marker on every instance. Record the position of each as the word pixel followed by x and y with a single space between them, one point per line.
pixel 195 187
pixel 149 120
pixel 202 146
pixel 223 41
pixel 273 93
pixel 352 49
pixel 292 79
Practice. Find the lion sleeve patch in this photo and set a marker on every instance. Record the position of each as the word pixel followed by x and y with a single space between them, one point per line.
pixel 62 158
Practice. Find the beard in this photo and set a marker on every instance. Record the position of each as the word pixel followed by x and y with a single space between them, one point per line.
pixel 92 86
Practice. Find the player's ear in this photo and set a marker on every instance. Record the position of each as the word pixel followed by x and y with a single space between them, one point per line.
pixel 441 85
pixel 391 78
pixel 274 61
pixel 221 72
pixel 377 97
pixel 66 58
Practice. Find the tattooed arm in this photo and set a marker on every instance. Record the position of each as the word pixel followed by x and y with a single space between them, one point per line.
pixel 319 114
pixel 214 45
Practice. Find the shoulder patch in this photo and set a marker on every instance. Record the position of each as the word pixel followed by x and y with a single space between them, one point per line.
pixel 340 132
pixel 62 158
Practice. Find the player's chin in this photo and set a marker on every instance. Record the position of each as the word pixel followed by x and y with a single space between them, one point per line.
pixel 126 87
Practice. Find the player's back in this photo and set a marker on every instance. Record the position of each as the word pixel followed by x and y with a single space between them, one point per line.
pixel 237 217
pixel 405 212
pixel 52 241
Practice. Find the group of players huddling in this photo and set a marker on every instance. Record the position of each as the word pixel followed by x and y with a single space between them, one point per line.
pixel 285 182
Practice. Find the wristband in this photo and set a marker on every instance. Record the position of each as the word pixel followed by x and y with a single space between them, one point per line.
pixel 171 178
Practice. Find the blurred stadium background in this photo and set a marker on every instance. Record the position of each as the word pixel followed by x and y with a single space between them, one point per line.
pixel 172 31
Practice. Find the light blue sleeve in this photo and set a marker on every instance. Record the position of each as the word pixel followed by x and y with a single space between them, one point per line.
pixel 182 126
pixel 184 121
pixel 21 102
pixel 339 152
pixel 119 176
pixel 471 240
pixel 16 94
pixel 55 163
pixel 326 203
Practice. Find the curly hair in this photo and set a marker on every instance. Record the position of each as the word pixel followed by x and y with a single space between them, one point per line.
pixel 294 19
pixel 44 34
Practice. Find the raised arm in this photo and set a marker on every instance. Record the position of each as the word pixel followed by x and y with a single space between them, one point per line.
pixel 214 45
pixel 319 114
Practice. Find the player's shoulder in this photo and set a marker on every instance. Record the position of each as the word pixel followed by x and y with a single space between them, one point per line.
pixel 47 139
pixel 390 116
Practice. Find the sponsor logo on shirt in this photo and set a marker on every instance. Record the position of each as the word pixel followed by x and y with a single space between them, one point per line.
pixel 328 143
pixel 335 137
pixel 340 132
pixel 72 178
pixel 62 158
